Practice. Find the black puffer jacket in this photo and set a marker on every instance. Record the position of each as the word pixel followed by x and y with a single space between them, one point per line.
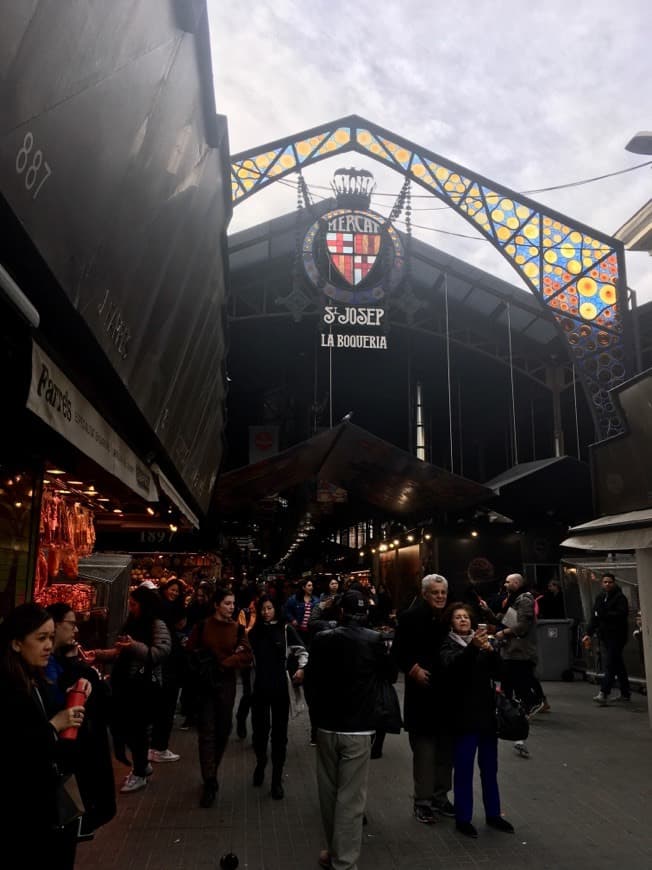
pixel 345 666
pixel 468 674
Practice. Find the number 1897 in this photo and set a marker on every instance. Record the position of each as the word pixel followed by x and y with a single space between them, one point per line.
pixel 32 166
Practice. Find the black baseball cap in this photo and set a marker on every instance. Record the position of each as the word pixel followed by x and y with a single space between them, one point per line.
pixel 353 602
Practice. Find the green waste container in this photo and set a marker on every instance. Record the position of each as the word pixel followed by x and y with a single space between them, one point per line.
pixel 555 648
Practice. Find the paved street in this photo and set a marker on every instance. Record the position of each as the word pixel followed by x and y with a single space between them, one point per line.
pixel 583 799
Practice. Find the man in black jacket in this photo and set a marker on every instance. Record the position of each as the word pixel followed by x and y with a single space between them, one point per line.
pixel 419 636
pixel 345 667
pixel 609 621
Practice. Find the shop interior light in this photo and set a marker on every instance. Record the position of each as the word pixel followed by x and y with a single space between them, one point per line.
pixel 117 510
pixel 361 553
pixel 18 504
pixel 91 487
pixel 75 483
pixel 151 511
pixel 104 499
pixel 91 492
pixel 392 545
pixel 63 491
pixel 173 528
pixel 396 542
pixel 410 538
pixel 54 471
pixel 427 536
pixel 474 534
pixel 18 478
pixel 45 481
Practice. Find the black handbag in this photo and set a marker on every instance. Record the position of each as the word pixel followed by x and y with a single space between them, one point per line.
pixel 204 668
pixel 388 709
pixel 511 721
pixel 69 803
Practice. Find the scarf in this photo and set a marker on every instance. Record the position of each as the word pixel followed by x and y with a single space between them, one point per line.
pixel 462 639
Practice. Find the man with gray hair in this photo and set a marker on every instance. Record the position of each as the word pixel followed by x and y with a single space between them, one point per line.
pixel 419 635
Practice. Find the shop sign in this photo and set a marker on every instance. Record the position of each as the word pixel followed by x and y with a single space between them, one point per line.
pixel 353 256
pixel 56 400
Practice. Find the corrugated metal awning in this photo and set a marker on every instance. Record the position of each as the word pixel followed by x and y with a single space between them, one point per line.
pixel 627 531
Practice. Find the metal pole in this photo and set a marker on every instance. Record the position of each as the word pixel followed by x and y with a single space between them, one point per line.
pixel 448 370
pixel 577 422
pixel 330 384
pixel 511 379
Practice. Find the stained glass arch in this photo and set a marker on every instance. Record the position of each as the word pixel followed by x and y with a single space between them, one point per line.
pixel 576 272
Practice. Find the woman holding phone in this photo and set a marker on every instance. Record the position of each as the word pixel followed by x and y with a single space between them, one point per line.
pixel 470 665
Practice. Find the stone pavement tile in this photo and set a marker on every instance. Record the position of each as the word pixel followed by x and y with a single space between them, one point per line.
pixel 583 800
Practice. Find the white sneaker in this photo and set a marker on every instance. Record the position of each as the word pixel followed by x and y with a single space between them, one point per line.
pixel 521 749
pixel 133 783
pixel 162 755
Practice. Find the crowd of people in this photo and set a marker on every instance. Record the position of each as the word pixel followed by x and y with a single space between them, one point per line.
pixel 331 653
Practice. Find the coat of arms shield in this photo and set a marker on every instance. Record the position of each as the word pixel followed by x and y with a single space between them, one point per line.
pixel 353 254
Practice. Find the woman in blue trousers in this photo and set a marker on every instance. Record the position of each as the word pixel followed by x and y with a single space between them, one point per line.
pixel 470 664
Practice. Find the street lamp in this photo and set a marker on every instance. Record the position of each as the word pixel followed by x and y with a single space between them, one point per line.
pixel 641 143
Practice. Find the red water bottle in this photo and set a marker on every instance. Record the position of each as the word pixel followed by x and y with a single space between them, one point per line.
pixel 75 697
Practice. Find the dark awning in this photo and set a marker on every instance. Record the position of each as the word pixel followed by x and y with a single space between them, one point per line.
pixel 558 487
pixel 370 469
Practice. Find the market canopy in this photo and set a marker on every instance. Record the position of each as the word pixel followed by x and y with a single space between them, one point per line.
pixel 367 467
pixel 558 487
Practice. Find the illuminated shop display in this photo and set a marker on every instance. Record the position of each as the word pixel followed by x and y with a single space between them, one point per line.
pixel 66 534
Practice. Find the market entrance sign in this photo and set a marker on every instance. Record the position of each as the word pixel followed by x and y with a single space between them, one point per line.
pixel 577 273
pixel 354 257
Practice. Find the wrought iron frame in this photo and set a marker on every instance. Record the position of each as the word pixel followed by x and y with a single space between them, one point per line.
pixel 577 273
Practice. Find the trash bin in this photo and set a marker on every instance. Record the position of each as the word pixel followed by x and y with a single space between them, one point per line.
pixel 555 648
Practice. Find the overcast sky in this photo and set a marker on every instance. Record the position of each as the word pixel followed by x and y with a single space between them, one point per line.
pixel 528 97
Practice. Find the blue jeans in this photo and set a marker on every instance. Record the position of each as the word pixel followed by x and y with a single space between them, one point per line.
pixel 466 746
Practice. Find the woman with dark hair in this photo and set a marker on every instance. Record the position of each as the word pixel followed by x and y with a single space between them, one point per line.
pixel 32 758
pixel 173 614
pixel 136 678
pixel 299 607
pixel 199 608
pixel 224 647
pixel 273 642
pixel 470 665
pixel 90 753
